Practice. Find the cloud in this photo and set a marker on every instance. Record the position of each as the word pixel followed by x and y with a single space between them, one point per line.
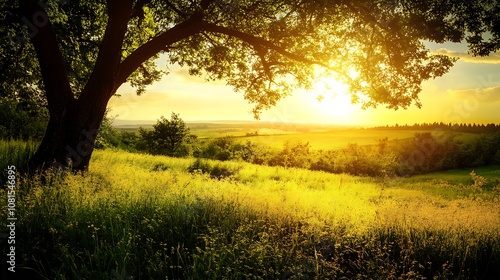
pixel 493 58
pixel 485 95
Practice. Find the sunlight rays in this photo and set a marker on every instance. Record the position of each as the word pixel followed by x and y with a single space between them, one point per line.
pixel 333 101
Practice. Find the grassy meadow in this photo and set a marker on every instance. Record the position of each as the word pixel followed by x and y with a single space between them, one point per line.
pixel 135 216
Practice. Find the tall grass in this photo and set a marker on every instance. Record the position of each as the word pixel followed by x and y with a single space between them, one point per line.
pixel 146 217
pixel 15 152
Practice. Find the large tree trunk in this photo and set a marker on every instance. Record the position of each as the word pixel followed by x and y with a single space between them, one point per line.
pixel 70 137
pixel 71 133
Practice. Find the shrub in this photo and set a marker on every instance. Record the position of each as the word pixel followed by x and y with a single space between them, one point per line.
pixel 22 119
pixel 479 181
pixel 257 154
pixel 219 149
pixel 294 154
pixel 128 140
pixel 324 161
pixel 200 166
pixel 217 171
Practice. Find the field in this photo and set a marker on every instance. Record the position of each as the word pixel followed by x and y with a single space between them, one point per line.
pixel 326 137
pixel 136 216
pixel 338 139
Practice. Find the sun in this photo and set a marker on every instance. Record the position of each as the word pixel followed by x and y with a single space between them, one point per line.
pixel 333 101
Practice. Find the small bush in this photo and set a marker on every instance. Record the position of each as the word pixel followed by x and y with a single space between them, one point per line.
pixel 200 166
pixel 160 167
pixel 217 171
pixel 219 149
pixel 294 154
pixel 479 181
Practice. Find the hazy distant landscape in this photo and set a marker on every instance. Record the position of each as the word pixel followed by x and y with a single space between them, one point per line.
pixel 242 126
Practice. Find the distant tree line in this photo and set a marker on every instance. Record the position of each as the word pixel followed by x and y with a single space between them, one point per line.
pixel 459 127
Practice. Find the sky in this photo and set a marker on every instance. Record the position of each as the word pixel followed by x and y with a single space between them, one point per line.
pixel 469 93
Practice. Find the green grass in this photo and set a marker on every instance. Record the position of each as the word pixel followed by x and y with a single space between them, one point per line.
pixel 15 152
pixel 458 176
pixel 147 217
pixel 454 184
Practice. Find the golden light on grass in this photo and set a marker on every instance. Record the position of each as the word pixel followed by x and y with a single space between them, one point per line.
pixel 315 198
pixel 129 208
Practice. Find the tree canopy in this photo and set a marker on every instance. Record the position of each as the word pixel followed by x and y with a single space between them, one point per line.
pixel 86 50
pixel 167 135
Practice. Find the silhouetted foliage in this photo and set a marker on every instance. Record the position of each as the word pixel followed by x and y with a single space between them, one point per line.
pixel 224 148
pixel 440 126
pixel 146 141
pixel 129 140
pixel 167 137
pixel 108 136
pixel 216 171
pixel 294 154
pixel 169 134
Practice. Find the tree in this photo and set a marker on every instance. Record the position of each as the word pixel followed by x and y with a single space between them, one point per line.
pixel 146 141
pixel 128 140
pixel 166 138
pixel 223 148
pixel 85 50
pixel 168 135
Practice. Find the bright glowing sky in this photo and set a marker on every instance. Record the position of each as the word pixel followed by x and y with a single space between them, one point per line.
pixel 469 93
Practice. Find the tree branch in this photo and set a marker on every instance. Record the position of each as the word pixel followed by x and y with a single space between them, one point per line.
pixel 262 55
pixel 181 31
pixel 93 43
pixel 55 77
pixel 175 9
pixel 205 3
pixel 108 59
pixel 137 11
pixel 259 43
